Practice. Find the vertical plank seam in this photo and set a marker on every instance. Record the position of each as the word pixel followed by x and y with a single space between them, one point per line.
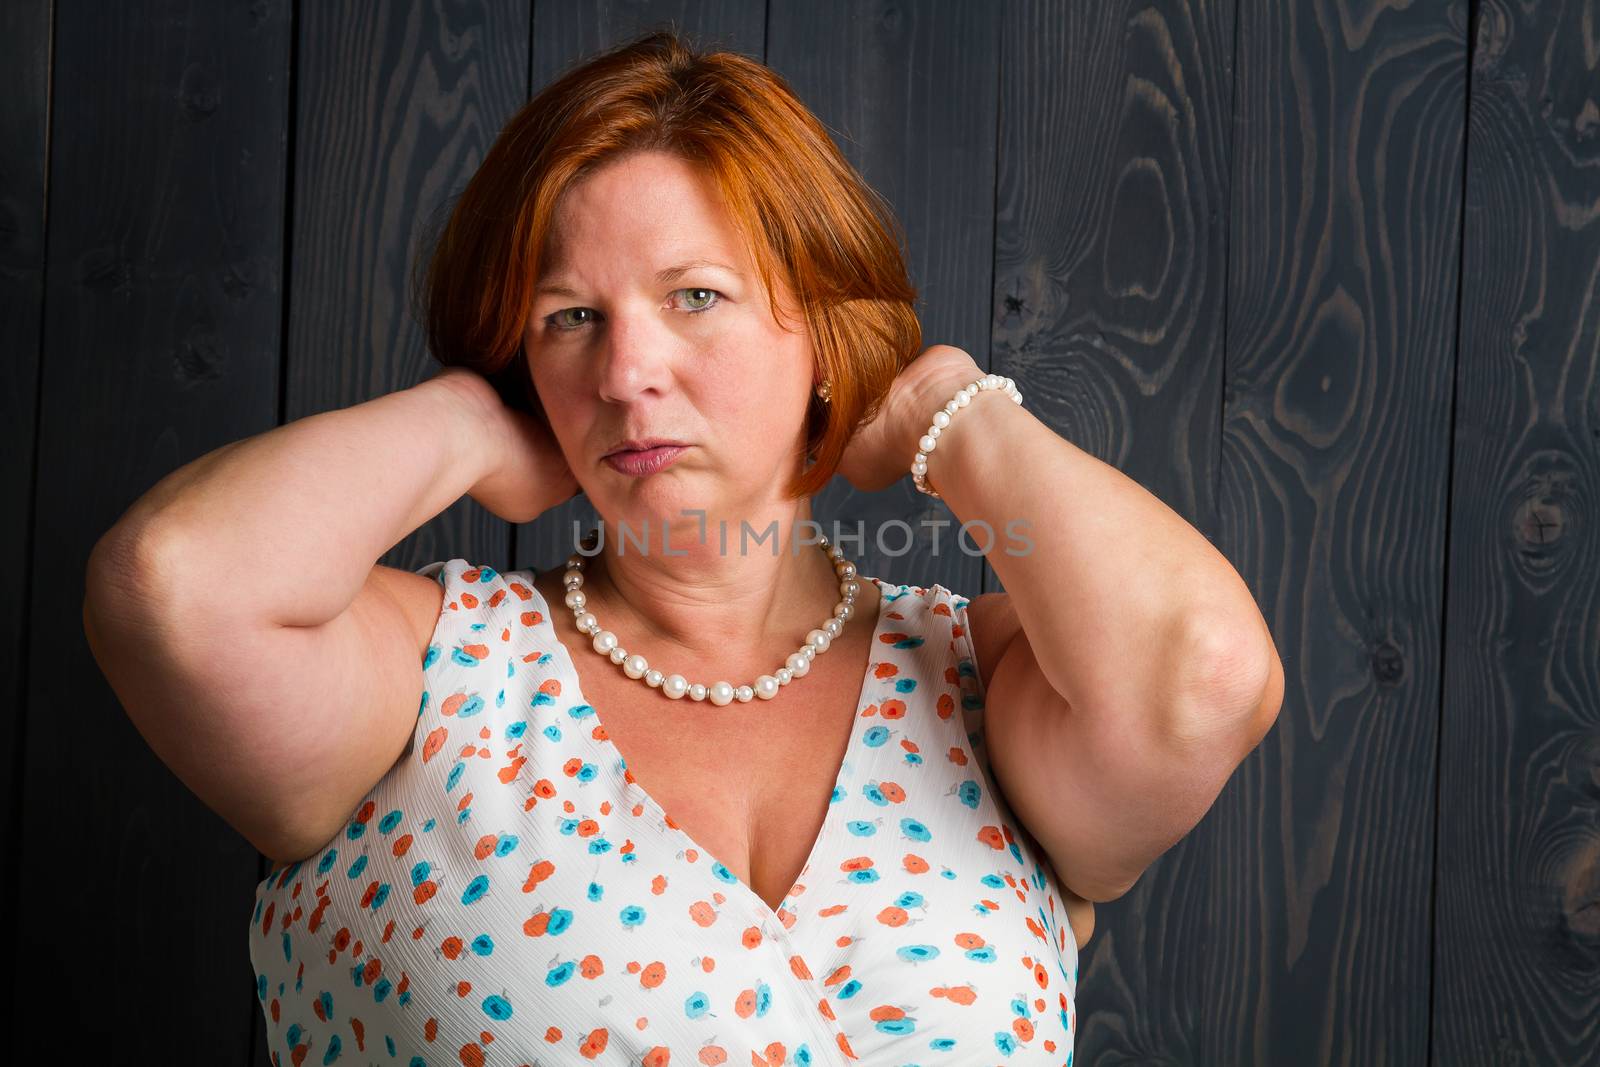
pixel 292 85
pixel 1227 272
pixel 994 231
pixel 1449 511
pixel 13 892
pixel 258 1033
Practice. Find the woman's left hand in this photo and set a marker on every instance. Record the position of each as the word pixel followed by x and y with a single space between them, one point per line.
pixel 880 453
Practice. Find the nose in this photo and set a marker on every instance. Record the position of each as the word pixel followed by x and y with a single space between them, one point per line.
pixel 635 359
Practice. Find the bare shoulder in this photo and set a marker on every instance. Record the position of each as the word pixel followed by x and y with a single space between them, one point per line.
pixel 991 622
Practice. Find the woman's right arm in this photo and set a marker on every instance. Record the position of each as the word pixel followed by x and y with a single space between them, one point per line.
pixel 238 611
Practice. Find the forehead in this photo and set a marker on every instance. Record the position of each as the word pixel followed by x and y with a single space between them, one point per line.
pixel 650 209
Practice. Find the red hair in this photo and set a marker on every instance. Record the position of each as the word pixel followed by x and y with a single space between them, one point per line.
pixel 805 214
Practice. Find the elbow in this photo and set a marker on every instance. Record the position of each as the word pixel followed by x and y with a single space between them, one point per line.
pixel 1266 711
pixel 120 576
pixel 1104 892
pixel 1232 686
pixel 1095 884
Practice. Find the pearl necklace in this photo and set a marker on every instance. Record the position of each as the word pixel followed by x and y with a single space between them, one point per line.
pixel 676 686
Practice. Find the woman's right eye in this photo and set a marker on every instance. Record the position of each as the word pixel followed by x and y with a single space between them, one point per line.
pixel 555 321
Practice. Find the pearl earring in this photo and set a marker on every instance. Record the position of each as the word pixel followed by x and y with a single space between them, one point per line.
pixel 825 390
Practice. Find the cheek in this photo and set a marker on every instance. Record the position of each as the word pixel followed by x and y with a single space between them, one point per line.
pixel 767 360
pixel 757 389
pixel 561 397
pixel 554 374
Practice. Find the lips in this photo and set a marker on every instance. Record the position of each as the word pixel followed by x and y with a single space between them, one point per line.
pixel 642 461
pixel 640 444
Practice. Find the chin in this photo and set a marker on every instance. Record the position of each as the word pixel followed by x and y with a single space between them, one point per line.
pixel 667 502
pixel 656 501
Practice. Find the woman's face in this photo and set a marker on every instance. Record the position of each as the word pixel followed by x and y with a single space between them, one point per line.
pixel 621 345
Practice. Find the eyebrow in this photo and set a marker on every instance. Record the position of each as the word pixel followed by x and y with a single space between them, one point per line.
pixel 664 276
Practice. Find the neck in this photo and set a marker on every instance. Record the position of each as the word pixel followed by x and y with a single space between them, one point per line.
pixel 698 600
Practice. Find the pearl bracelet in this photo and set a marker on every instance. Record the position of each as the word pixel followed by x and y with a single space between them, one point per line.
pixel 941 419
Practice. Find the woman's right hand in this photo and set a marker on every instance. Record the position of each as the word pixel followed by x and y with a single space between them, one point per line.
pixel 527 474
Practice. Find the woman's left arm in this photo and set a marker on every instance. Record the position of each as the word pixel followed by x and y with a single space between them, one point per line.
pixel 1143 672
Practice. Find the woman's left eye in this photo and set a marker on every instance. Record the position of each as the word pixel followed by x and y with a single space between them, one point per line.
pixel 703 307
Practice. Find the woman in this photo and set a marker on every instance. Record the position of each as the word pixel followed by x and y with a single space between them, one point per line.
pixel 479 865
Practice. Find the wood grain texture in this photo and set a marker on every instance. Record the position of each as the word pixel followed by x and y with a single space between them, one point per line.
pixel 1332 500
pixel 1518 887
pixel 161 314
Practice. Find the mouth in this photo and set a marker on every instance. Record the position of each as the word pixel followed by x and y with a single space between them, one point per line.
pixel 645 458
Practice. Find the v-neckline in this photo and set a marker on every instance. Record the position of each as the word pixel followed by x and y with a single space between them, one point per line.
pixel 568 667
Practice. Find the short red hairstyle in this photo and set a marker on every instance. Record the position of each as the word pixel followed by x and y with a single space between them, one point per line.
pixel 805 215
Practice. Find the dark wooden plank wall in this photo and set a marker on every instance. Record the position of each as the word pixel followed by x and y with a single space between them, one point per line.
pixel 24 137
pixel 1322 276
pixel 1332 495
pixel 161 308
pixel 1517 957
